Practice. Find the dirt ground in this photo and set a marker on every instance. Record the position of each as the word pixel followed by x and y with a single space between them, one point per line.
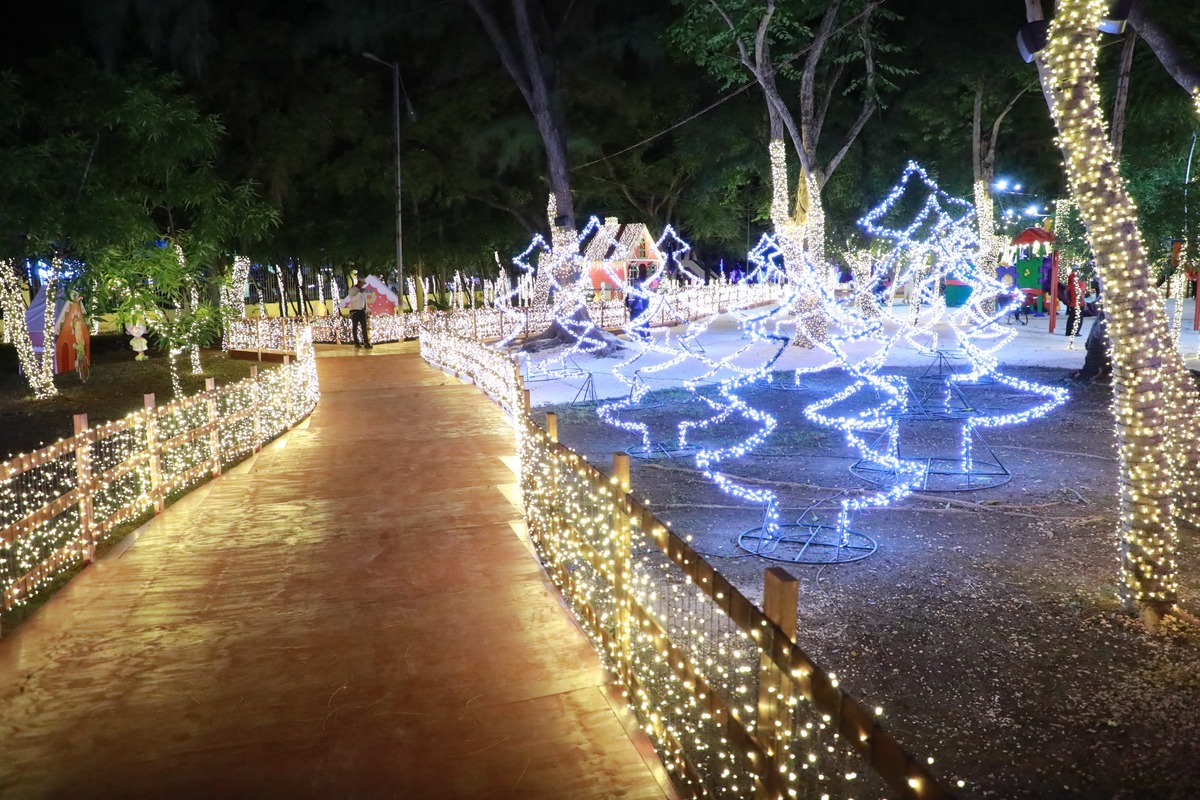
pixel 987 623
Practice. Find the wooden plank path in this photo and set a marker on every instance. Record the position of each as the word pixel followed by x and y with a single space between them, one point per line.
pixel 350 614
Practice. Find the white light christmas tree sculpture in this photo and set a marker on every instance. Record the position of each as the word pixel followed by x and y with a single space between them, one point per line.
pixel 674 348
pixel 939 245
pixel 566 303
pixel 876 411
pixel 765 259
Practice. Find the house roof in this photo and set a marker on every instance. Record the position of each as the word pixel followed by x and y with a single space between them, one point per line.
pixel 1033 236
pixel 615 241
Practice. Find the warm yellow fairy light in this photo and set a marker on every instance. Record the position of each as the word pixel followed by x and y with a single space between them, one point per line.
pixel 39 373
pixel 691 674
pixel 989 242
pixel 57 501
pixel 1155 405
pixel 801 245
pixel 233 294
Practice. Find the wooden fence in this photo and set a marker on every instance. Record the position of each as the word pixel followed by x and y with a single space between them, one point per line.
pixel 490 323
pixel 56 503
pixel 734 707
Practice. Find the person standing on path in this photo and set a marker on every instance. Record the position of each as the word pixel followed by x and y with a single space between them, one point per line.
pixel 356 301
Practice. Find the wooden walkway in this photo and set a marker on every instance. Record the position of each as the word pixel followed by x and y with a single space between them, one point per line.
pixel 353 613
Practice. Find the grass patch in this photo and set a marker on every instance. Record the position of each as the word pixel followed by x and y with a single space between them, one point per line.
pixel 114 390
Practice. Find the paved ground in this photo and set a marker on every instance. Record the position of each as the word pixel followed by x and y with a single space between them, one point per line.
pixel 351 614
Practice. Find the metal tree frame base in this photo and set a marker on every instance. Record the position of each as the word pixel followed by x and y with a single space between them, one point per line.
pixel 538 373
pixel 639 405
pixel 799 543
pixel 941 370
pixel 587 392
pixel 660 449
pixel 766 382
pixel 984 470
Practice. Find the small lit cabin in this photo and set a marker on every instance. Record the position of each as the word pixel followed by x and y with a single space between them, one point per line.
pixel 617 252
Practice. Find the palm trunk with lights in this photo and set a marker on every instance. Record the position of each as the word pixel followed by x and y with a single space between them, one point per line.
pixel 1154 402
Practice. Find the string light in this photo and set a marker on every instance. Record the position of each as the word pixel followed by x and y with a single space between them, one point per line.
pixel 233 293
pixel 1155 403
pixel 12 301
pixel 697 663
pixel 58 501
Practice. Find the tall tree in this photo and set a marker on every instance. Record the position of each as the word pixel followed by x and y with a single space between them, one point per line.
pixel 823 39
pixel 1155 400
pixel 983 167
pixel 529 56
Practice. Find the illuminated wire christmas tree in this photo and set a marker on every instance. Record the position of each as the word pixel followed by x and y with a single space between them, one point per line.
pixel 675 347
pixel 555 303
pixel 881 414
pixel 939 246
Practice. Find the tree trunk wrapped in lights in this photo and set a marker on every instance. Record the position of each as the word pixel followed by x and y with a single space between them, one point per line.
pixel 983 160
pixel 1155 404
pixel 755 29
pixel 38 373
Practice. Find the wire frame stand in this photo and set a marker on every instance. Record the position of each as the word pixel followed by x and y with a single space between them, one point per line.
pixel 807 543
pixel 667 448
pixel 691 345
pixel 568 369
pixel 747 316
pixel 771 381
pixel 975 465
pixel 639 387
pixel 942 369
pixel 587 392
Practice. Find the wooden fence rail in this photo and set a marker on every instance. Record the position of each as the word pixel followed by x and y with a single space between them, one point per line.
pixel 734 706
pixel 58 502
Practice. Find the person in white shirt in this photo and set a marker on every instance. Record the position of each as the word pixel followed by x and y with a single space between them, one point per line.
pixel 356 301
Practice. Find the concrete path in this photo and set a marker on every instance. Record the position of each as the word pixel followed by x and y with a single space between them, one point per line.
pixel 353 613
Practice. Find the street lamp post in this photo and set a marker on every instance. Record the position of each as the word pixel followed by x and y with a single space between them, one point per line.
pixel 397 84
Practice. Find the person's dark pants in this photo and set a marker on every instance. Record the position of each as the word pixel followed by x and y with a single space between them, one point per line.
pixel 1073 314
pixel 1096 362
pixel 358 319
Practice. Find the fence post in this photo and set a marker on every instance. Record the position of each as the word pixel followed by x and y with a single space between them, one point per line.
pixel 254 401
pixel 525 401
pixel 83 483
pixel 623 559
pixel 780 591
pixel 152 447
pixel 214 436
pixel 554 505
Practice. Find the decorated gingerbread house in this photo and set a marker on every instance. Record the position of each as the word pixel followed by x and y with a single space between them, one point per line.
pixel 617 253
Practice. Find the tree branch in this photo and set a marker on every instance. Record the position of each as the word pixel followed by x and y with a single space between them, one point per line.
pixel 744 56
pixel 507 57
pixel 1177 65
pixel 527 222
pixel 1000 117
pixel 977 134
pixel 1117 131
pixel 809 75
pixel 869 106
pixel 835 75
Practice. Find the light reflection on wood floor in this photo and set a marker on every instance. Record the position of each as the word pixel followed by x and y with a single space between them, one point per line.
pixel 352 613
